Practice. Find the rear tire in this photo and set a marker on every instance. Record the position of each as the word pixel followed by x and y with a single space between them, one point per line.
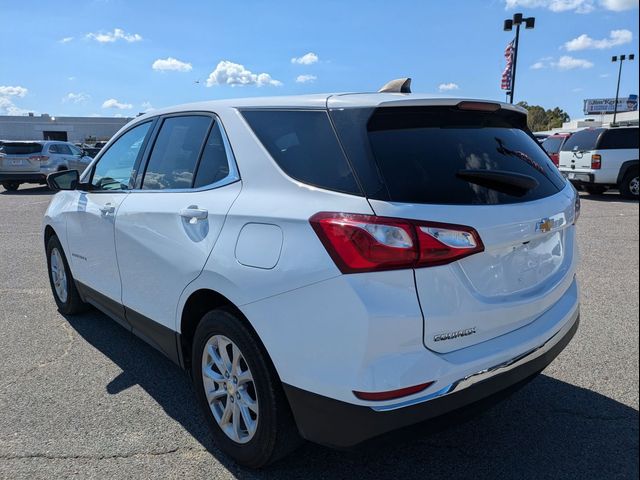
pixel 63 286
pixel 595 189
pixel 245 379
pixel 11 186
pixel 629 187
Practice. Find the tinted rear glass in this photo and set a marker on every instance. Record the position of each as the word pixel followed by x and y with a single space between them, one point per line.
pixel 553 144
pixel 304 145
pixel 422 154
pixel 583 140
pixel 619 138
pixel 20 148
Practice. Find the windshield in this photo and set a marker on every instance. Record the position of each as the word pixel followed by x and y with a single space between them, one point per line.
pixel 583 140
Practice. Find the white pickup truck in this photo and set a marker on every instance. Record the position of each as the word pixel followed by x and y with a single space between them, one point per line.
pixel 602 158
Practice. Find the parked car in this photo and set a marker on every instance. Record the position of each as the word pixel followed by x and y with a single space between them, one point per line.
pixel 31 162
pixel 541 137
pixel 602 158
pixel 552 145
pixel 327 267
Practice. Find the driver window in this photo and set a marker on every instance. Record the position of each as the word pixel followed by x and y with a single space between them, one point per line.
pixel 115 168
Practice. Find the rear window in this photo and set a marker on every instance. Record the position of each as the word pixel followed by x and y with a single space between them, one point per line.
pixel 583 140
pixel 552 144
pixel 20 148
pixel 304 146
pixel 435 155
pixel 619 138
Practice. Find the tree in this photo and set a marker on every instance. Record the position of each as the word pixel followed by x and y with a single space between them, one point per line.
pixel 540 119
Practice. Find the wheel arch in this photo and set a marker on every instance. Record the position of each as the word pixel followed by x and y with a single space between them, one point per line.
pixel 48 233
pixel 624 169
pixel 199 303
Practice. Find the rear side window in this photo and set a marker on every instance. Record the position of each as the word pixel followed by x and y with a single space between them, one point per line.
pixel 552 144
pixel 304 146
pixel 214 164
pixel 435 155
pixel 17 148
pixel 583 140
pixel 175 154
pixel 619 138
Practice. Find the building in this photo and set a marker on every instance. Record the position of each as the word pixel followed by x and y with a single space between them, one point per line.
pixel 623 119
pixel 71 129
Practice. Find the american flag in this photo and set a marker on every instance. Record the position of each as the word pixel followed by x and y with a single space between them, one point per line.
pixel 506 74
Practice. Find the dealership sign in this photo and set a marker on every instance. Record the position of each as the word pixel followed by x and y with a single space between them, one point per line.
pixel 595 106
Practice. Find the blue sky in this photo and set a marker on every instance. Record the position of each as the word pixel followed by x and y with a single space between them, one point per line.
pixel 97 57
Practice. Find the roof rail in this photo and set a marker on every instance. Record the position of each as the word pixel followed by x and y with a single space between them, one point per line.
pixel 399 85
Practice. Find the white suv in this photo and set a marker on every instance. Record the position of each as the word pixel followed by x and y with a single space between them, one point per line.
pixel 328 267
pixel 601 158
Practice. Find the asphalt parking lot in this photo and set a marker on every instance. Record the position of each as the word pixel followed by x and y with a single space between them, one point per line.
pixel 81 397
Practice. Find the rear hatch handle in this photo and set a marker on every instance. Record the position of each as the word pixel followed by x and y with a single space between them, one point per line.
pixel 511 183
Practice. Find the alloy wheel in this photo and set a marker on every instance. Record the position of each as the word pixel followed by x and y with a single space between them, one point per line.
pixel 58 275
pixel 230 389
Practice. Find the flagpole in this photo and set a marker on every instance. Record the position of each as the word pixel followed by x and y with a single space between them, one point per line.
pixel 515 63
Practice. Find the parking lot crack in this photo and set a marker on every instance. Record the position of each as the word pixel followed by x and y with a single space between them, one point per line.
pixel 49 456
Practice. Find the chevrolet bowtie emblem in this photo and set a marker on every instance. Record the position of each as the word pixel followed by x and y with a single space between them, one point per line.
pixel 545 225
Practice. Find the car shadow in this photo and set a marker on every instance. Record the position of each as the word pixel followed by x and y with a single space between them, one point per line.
pixel 43 190
pixel 549 429
pixel 611 196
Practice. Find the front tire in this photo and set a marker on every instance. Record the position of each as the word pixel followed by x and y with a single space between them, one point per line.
pixel 630 186
pixel 63 286
pixel 11 186
pixel 240 393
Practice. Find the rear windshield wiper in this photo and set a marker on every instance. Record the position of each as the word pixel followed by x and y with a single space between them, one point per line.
pixel 511 183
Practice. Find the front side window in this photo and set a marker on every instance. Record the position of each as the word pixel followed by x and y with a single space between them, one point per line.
pixel 175 154
pixel 114 170
pixel 64 149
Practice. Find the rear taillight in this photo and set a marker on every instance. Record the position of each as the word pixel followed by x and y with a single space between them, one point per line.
pixel 555 158
pixel 39 158
pixel 365 243
pixel 596 162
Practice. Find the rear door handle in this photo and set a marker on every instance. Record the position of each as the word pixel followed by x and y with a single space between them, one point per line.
pixel 194 213
pixel 108 209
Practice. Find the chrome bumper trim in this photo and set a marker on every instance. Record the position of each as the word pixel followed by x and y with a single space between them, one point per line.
pixel 487 373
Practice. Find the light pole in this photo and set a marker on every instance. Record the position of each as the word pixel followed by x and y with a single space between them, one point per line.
pixel 517 20
pixel 621 59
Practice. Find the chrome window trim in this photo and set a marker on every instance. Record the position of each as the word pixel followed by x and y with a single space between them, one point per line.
pixel 233 175
pixel 488 373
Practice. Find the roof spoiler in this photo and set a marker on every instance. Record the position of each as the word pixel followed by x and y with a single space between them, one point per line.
pixel 399 85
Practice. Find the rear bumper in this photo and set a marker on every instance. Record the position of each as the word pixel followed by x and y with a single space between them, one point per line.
pixel 342 425
pixel 26 177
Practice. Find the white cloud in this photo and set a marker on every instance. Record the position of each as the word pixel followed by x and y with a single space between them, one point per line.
pixel 584 41
pixel 447 87
pixel 147 107
pixel 605 75
pixel 563 63
pixel 79 97
pixel 66 39
pixel 113 103
pixel 7 107
pixel 13 91
pixel 117 34
pixel 306 59
pixel 234 74
pixel 170 63
pixel 570 63
pixel 579 6
pixel 306 78
pixel 619 5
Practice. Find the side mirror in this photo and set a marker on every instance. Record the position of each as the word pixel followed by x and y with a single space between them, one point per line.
pixel 64 180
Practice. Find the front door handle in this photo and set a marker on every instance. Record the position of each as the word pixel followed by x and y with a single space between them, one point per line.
pixel 108 209
pixel 193 213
